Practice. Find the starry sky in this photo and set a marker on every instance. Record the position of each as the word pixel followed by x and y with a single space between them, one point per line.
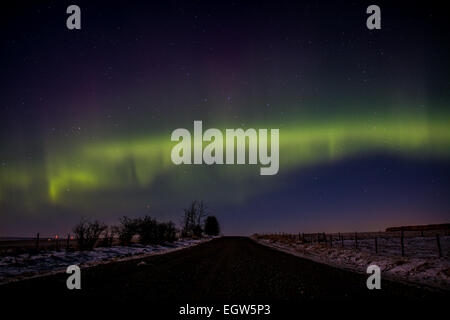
pixel 86 115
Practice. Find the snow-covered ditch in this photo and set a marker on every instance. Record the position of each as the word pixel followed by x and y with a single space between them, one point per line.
pixel 47 262
pixel 421 267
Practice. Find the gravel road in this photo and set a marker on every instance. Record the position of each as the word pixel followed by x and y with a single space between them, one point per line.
pixel 227 269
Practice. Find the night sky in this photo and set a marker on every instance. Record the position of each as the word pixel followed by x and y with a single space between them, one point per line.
pixel 86 115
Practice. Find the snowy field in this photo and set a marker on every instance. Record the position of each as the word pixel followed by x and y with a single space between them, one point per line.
pixel 27 265
pixel 420 265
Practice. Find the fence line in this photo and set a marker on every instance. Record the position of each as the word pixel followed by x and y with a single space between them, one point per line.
pixel 358 239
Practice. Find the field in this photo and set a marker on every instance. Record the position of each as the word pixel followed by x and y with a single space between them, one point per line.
pixel 424 260
pixel 21 260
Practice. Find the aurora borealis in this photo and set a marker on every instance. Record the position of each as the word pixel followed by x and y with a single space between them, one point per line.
pixel 86 115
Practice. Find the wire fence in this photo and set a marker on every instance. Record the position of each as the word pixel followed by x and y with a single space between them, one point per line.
pixel 38 243
pixel 427 243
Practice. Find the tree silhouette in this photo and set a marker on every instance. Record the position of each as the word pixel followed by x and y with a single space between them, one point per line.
pixel 87 233
pixel 212 226
pixel 193 219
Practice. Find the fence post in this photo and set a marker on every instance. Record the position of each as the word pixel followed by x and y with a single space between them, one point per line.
pixel 402 242
pixel 356 240
pixel 342 240
pixel 376 245
pixel 438 245
pixel 331 241
pixel 325 238
pixel 37 242
pixel 68 241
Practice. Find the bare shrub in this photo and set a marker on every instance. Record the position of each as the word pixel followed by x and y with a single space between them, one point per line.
pixel 87 233
pixel 126 229
pixel 107 237
pixel 147 230
pixel 166 232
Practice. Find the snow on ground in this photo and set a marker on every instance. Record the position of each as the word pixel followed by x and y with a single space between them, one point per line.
pixel 420 265
pixel 28 265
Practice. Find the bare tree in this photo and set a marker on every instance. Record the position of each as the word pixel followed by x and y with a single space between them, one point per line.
pixel 201 212
pixel 193 219
pixel 107 237
pixel 126 230
pixel 148 230
pixel 87 233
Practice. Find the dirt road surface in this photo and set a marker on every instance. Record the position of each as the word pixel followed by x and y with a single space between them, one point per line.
pixel 227 269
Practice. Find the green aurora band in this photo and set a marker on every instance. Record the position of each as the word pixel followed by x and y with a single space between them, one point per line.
pixel 100 166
